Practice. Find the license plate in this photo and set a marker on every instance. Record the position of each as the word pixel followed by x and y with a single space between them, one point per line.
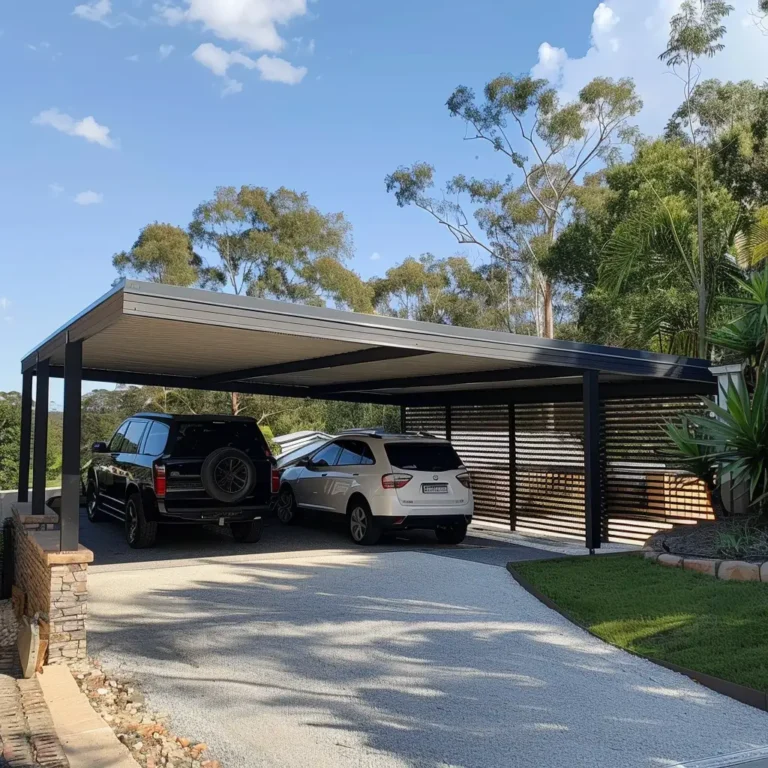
pixel 434 488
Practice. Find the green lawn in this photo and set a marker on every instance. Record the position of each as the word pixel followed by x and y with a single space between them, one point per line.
pixel 716 627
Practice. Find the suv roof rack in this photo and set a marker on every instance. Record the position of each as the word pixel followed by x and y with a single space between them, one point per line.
pixel 370 432
pixel 381 432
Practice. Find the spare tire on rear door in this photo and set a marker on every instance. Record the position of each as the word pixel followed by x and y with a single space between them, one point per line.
pixel 228 475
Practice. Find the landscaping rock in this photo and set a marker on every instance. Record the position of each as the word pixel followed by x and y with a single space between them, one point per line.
pixel 764 572
pixel 651 555
pixel 708 567
pixel 673 561
pixel 738 570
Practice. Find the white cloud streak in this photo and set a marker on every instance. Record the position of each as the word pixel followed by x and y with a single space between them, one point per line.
pixel 270 68
pixel 89 197
pixel 98 10
pixel 626 39
pixel 87 128
pixel 55 189
pixel 253 23
pixel 165 50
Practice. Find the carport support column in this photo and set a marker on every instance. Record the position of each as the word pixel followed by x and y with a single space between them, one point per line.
pixel 40 456
pixel 593 490
pixel 25 442
pixel 70 460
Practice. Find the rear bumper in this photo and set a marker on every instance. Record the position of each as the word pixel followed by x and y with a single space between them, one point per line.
pixel 422 522
pixel 208 515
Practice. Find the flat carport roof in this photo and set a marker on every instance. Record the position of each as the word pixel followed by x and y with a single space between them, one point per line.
pixel 148 333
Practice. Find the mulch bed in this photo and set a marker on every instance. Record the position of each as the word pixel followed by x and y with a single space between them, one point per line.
pixel 736 538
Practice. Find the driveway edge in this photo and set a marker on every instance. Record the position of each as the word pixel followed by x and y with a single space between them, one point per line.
pixel 749 696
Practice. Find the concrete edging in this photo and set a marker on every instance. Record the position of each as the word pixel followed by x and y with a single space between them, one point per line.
pixel 727 570
pixel 749 696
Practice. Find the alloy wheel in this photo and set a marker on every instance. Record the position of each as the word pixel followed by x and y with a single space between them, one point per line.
pixel 358 523
pixel 285 507
pixel 231 475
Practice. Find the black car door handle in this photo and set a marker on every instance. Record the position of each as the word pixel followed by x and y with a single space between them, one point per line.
pixel 325 474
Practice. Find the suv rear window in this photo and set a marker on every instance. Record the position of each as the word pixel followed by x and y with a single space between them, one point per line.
pixel 197 439
pixel 423 457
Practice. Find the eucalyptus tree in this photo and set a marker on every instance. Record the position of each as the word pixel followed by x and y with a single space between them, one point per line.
pixel 696 32
pixel 162 254
pixel 517 220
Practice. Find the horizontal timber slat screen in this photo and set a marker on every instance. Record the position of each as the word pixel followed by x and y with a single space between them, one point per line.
pixel 642 493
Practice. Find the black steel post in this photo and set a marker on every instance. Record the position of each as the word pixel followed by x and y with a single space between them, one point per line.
pixel 25 443
pixel 448 423
pixel 70 460
pixel 593 491
pixel 402 419
pixel 40 456
pixel 512 470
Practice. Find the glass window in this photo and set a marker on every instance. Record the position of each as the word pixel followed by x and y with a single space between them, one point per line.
pixel 133 437
pixel 157 437
pixel 196 439
pixel 115 444
pixel 354 453
pixel 423 457
pixel 326 457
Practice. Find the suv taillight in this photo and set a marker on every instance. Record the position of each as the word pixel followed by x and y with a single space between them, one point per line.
pixel 158 472
pixel 395 480
pixel 465 480
pixel 275 479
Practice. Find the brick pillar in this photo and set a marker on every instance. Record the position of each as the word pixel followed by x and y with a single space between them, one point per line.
pixel 55 585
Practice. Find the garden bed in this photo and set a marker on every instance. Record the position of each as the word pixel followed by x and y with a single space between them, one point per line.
pixel 736 538
pixel 665 614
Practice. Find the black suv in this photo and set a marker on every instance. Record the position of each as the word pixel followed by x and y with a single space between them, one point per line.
pixel 161 468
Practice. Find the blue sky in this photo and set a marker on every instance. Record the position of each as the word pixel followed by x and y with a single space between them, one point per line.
pixel 324 97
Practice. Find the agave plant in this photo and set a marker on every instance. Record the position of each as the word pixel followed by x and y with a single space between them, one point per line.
pixel 696 455
pixel 737 437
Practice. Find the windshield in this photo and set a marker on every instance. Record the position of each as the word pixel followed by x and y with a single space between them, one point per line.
pixel 423 457
pixel 198 439
pixel 300 453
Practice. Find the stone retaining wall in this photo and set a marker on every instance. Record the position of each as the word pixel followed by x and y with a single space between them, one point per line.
pixel 55 584
pixel 728 570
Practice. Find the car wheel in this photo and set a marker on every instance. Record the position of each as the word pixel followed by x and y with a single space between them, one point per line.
pixel 139 531
pixel 362 526
pixel 454 534
pixel 287 513
pixel 95 515
pixel 247 533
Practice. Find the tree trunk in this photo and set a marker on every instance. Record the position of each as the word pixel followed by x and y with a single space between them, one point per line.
pixel 235 403
pixel 549 317
pixel 715 494
pixel 702 280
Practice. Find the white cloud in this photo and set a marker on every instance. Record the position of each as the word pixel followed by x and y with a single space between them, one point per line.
pixel 165 51
pixel 89 198
pixel 626 39
pixel 86 128
pixel 253 23
pixel 97 10
pixel 551 59
pixel 55 189
pixel 375 256
pixel 270 68
pixel 5 303
pixel 134 57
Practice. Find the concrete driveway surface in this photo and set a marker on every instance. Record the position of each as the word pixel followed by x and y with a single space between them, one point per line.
pixel 302 651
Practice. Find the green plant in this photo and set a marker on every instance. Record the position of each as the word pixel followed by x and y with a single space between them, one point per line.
pixel 747 541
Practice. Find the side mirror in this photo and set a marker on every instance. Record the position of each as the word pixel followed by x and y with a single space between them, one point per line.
pixel 302 462
pixel 99 448
pixel 320 464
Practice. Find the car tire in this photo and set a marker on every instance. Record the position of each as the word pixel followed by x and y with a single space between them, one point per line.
pixel 362 525
pixel 95 515
pixel 453 534
pixel 228 475
pixel 287 511
pixel 248 532
pixel 139 532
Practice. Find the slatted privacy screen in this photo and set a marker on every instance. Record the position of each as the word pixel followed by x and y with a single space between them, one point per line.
pixel 549 469
pixel 428 419
pixel 642 492
pixel 480 435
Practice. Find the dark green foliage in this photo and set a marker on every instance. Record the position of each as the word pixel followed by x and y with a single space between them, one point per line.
pixel 710 626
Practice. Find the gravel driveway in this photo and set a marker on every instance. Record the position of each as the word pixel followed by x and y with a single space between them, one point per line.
pixel 387 658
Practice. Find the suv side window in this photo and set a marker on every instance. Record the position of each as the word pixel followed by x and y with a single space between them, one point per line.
pixel 156 439
pixel 116 443
pixel 133 436
pixel 354 453
pixel 328 455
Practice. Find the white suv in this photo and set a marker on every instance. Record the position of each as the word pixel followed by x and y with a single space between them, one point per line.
pixel 382 482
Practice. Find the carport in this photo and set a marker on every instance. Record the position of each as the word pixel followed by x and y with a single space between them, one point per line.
pixel 561 436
